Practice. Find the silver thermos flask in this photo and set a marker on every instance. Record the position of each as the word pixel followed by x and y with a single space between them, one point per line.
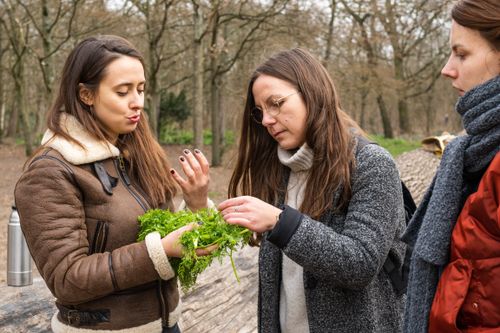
pixel 19 271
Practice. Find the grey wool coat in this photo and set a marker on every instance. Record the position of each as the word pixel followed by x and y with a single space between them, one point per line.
pixel 346 288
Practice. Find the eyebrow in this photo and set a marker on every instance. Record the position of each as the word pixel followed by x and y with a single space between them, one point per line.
pixel 454 47
pixel 273 98
pixel 128 84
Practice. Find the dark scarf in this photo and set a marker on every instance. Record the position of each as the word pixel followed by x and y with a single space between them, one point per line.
pixel 429 231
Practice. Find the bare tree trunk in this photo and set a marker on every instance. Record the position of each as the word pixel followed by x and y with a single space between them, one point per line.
pixel 221 119
pixel 20 104
pixel 404 122
pixel 384 114
pixel 12 125
pixel 214 86
pixel 214 106
pixel 48 68
pixel 153 101
pixel 430 114
pixel 329 36
pixel 220 100
pixel 198 76
pixel 362 109
pixel 2 93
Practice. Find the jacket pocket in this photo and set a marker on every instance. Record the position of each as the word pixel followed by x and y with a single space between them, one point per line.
pixel 98 244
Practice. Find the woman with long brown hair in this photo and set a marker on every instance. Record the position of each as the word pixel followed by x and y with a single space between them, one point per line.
pixel 455 268
pixel 327 204
pixel 98 169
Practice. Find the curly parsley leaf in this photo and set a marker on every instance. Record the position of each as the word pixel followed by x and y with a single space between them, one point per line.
pixel 212 231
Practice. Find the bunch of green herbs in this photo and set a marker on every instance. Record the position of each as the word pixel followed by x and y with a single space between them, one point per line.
pixel 212 230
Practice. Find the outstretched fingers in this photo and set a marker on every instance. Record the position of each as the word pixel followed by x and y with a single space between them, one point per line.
pixel 194 185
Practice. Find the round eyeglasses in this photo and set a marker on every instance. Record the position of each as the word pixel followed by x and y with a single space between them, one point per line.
pixel 274 109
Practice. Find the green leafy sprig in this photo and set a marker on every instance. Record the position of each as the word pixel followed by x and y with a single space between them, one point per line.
pixel 213 230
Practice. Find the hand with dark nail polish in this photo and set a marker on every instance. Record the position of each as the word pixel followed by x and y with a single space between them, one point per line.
pixel 195 184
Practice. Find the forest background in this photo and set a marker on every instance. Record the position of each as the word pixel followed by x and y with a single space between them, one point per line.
pixel 385 57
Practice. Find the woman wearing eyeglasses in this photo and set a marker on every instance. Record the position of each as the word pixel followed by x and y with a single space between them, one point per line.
pixel 329 209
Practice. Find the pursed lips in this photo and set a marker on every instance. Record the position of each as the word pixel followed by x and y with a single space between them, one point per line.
pixel 134 118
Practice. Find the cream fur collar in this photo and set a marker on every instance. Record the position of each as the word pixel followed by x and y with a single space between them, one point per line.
pixel 95 150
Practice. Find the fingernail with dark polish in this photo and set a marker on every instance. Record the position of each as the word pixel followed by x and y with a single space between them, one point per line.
pixel 182 159
pixel 199 223
pixel 186 151
pixel 197 151
pixel 172 171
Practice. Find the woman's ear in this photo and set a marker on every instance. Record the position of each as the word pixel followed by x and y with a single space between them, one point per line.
pixel 86 96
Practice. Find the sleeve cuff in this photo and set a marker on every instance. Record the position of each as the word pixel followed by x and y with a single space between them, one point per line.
pixel 288 222
pixel 158 256
pixel 183 206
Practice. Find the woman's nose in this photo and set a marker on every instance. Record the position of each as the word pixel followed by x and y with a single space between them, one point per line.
pixel 137 101
pixel 267 119
pixel 449 70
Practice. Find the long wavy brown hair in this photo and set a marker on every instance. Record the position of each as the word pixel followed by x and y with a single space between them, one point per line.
pixel 329 133
pixel 86 65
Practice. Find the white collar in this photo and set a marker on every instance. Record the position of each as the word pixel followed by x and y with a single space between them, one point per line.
pixel 93 149
pixel 299 160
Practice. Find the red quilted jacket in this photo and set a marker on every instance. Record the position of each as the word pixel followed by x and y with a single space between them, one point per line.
pixel 468 295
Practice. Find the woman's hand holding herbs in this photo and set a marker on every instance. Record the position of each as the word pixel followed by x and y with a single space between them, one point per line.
pixel 193 239
pixel 195 187
pixel 250 212
pixel 173 247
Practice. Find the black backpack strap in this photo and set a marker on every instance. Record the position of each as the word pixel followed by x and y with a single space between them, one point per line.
pixel 410 205
pixel 394 274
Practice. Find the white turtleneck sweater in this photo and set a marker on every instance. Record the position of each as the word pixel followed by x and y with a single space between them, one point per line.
pixel 293 312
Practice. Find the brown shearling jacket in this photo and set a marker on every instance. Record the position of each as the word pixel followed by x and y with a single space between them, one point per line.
pixel 80 223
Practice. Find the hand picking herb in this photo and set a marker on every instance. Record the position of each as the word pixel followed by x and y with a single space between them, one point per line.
pixel 212 230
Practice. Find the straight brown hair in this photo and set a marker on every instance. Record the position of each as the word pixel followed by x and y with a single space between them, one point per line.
pixel 86 65
pixel 481 15
pixel 258 171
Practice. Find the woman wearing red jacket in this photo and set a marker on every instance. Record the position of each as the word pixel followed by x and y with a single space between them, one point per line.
pixel 454 280
pixel 468 294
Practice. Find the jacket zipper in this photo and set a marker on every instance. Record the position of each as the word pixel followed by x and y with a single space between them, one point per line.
pixel 120 168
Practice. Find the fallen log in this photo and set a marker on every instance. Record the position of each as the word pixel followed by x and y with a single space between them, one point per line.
pixel 218 303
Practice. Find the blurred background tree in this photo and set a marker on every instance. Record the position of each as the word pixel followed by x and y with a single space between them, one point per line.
pixel 174 108
pixel 385 57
